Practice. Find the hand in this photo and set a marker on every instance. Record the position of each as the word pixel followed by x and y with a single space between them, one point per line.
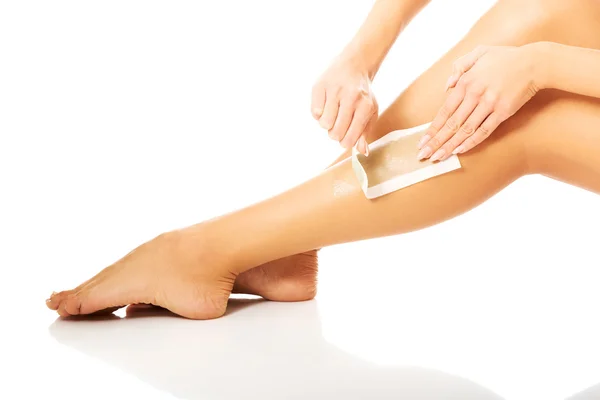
pixel 343 103
pixel 490 85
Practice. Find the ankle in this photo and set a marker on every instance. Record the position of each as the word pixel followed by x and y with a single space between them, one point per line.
pixel 200 242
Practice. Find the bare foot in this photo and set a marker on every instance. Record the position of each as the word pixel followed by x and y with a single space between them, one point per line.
pixel 181 275
pixel 173 271
pixel 292 278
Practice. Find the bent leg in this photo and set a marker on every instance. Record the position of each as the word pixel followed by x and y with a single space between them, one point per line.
pixel 509 22
pixel 191 271
pixel 556 134
pixel 562 138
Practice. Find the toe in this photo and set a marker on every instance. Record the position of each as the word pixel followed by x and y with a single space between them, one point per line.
pixel 72 304
pixel 62 311
pixel 110 293
pixel 56 299
pixel 51 302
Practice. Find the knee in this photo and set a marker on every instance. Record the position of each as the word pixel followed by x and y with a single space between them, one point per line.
pixel 532 14
pixel 571 22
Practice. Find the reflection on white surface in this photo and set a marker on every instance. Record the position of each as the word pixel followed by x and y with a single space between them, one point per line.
pixel 260 350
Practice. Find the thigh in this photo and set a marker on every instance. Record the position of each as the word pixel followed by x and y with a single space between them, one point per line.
pixel 556 134
pixel 509 22
pixel 559 134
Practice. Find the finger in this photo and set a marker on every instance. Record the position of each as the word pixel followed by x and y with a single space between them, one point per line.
pixel 361 117
pixel 367 134
pixel 451 127
pixel 363 145
pixel 330 112
pixel 448 108
pixel 463 64
pixel 451 124
pixel 371 125
pixel 467 129
pixel 317 102
pixel 452 80
pixel 483 132
pixel 342 122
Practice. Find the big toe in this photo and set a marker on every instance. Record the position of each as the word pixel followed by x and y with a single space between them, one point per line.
pixel 55 299
pixel 105 296
pixel 71 305
pixel 61 307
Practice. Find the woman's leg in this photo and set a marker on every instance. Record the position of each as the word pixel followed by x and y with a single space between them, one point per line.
pixel 192 271
pixel 509 22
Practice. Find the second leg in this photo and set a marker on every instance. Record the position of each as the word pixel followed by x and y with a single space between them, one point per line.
pixel 509 23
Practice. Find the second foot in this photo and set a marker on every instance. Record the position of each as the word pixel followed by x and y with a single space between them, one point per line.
pixel 292 278
pixel 288 279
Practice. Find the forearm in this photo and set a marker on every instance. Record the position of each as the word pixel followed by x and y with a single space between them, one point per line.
pixel 380 30
pixel 568 68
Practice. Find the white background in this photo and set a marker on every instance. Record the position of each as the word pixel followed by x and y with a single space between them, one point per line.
pixel 118 119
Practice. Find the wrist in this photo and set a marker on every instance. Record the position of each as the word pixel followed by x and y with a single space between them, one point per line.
pixel 541 55
pixel 362 58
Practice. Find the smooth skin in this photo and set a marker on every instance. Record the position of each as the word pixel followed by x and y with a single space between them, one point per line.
pixel 192 271
pixel 493 83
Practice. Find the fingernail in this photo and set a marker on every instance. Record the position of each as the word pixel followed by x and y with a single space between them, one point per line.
pixel 426 152
pixel 359 147
pixel 364 147
pixel 458 150
pixel 438 155
pixel 423 140
pixel 325 125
